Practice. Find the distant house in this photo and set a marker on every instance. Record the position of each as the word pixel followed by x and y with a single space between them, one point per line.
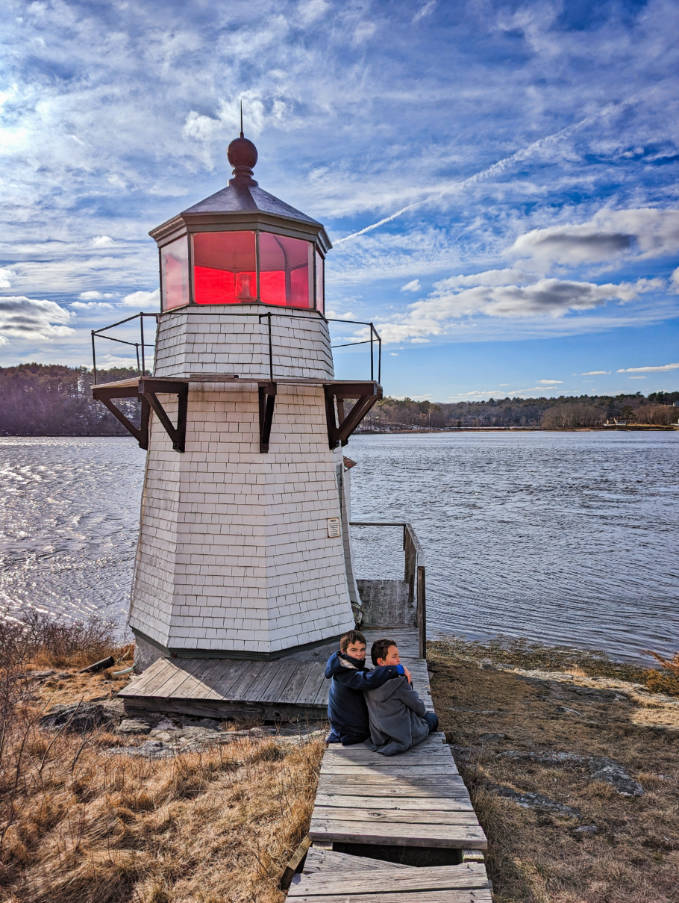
pixel 613 421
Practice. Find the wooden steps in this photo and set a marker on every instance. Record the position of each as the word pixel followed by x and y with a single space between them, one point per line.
pixel 331 877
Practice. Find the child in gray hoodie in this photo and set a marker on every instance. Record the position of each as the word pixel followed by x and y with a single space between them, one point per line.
pixel 398 718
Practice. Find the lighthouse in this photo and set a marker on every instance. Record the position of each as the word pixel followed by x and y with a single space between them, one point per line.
pixel 244 548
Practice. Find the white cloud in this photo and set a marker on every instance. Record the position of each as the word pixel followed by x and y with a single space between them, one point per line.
pixel 424 11
pixel 5 274
pixel 550 382
pixel 142 300
pixel 95 296
pixel 102 241
pixel 363 32
pixel 642 233
pixel 674 280
pixel 596 373
pixel 447 313
pixel 659 369
pixel 32 319
pixel 91 306
pixel 412 286
pixel 308 11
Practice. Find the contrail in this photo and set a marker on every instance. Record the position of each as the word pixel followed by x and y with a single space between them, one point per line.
pixel 491 170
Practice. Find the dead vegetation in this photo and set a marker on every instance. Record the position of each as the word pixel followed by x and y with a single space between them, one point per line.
pixel 78 824
pixel 559 828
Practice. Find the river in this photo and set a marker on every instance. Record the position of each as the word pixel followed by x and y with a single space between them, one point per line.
pixel 558 537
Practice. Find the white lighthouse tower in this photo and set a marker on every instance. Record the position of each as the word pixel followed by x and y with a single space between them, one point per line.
pixel 243 547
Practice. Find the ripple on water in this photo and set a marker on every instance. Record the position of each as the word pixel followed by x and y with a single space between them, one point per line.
pixel 567 538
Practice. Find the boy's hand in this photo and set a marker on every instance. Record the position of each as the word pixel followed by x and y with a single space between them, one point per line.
pixel 407 674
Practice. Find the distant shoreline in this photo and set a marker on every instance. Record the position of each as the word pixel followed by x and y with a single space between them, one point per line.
pixel 525 429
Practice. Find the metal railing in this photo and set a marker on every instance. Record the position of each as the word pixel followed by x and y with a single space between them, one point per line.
pixel 139 346
pixel 414 574
pixel 374 339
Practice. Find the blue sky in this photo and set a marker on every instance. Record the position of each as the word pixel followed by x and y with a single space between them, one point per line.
pixel 499 180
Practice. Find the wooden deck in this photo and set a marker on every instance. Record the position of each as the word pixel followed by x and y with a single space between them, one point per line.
pixel 290 688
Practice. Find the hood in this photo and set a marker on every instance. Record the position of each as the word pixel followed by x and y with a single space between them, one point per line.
pixel 340 662
pixel 388 689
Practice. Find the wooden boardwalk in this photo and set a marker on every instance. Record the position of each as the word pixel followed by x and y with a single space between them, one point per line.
pixel 387 806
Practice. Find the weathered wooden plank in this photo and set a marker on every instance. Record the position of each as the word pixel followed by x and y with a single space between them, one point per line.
pixel 279 680
pixel 204 677
pixel 319 859
pixel 383 816
pixel 396 834
pixel 446 877
pixel 179 676
pixel 162 670
pixel 137 686
pixel 315 674
pixel 249 673
pixel 472 895
pixel 362 752
pixel 432 804
pixel 413 771
pixel 383 785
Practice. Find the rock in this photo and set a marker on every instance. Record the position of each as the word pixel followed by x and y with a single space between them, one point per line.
pixel 79 717
pixel 533 801
pixel 486 665
pixel 165 725
pixel 489 738
pixel 133 726
pixel 40 675
pixel 601 768
pixel 586 829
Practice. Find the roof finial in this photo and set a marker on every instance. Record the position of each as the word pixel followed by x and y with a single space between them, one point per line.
pixel 242 155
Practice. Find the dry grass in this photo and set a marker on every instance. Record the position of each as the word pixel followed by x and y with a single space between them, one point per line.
pixel 78 824
pixel 539 857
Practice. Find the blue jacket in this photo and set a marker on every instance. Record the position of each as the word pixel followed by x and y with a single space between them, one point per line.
pixel 347 710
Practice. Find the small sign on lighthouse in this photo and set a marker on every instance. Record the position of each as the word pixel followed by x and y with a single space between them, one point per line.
pixel 243 547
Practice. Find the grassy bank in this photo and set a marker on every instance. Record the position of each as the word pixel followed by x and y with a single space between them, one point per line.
pixel 79 823
pixel 570 760
pixel 572 765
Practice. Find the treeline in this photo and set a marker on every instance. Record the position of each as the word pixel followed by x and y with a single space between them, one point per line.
pixel 565 412
pixel 53 400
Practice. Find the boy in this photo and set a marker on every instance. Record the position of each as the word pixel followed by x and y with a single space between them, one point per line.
pixel 398 718
pixel 346 704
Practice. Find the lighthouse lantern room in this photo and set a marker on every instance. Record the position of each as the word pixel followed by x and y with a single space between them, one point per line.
pixel 244 546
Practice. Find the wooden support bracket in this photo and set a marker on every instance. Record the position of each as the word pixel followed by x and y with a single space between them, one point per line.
pixel 341 425
pixel 267 401
pixel 106 397
pixel 146 390
pixel 149 389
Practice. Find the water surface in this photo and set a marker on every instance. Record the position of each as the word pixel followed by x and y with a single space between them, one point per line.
pixel 558 537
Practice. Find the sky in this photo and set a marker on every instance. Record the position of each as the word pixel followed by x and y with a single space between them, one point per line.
pixel 499 180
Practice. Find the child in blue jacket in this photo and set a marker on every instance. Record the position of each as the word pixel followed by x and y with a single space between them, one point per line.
pixel 347 710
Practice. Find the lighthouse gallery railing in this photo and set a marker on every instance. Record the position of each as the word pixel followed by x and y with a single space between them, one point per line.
pixel 140 346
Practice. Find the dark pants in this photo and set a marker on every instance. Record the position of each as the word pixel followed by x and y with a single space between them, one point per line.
pixel 432 721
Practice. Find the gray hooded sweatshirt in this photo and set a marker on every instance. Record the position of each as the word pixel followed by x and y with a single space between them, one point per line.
pixel 395 711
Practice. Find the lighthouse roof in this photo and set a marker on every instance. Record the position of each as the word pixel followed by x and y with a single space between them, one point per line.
pixel 248 197
pixel 241 203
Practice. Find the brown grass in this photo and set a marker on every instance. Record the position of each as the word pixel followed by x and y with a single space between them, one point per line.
pixel 539 857
pixel 79 825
